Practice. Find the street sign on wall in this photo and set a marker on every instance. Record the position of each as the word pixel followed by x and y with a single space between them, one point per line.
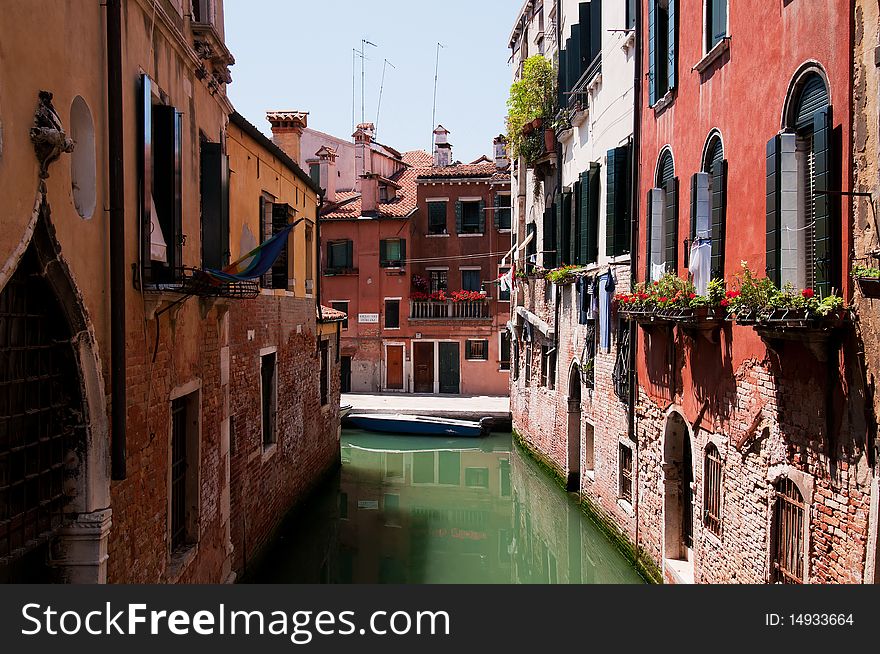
pixel 368 318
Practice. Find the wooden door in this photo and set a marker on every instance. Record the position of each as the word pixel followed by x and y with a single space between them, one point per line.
pixel 394 367
pixel 450 372
pixel 423 364
pixel 345 373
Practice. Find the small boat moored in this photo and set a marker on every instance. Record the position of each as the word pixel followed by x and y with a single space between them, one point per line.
pixel 344 411
pixel 419 425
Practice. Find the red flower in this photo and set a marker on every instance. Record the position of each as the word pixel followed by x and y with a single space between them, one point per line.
pixel 724 303
pixel 664 299
pixel 808 293
pixel 692 296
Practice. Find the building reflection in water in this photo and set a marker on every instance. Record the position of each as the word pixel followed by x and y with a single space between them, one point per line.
pixel 428 510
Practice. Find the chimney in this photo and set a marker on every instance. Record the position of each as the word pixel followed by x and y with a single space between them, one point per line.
pixel 363 138
pixel 442 147
pixel 369 196
pixel 327 162
pixel 500 148
pixel 287 129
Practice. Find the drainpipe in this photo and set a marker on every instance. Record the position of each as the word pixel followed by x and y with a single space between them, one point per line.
pixel 634 240
pixel 118 403
pixel 319 268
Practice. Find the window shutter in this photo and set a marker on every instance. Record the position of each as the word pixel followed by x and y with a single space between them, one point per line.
pixel 649 232
pixel 575 59
pixel 280 216
pixel 482 217
pixel 532 247
pixel 331 264
pixel 497 212
pixel 349 254
pixel 458 217
pixel 178 194
pixel 586 29
pixel 383 253
pixel 610 203
pixel 671 225
pixel 562 82
pixel 593 213
pixel 693 232
pixel 549 240
pixel 584 232
pixel 652 54
pixel 672 43
pixel 773 210
pixel 825 254
pixel 719 216
pixel 595 31
pixel 215 239
pixel 719 20
pixel 623 200
pixel 402 252
pixel 145 151
pixel 574 243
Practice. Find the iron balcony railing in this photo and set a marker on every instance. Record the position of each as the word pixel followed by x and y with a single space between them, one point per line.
pixel 436 310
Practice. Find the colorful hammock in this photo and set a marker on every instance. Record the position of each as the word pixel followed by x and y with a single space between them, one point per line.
pixel 255 263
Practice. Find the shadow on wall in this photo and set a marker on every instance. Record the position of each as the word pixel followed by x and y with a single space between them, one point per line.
pixel 712 372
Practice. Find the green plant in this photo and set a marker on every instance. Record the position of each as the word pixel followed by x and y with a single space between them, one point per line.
pixel 752 294
pixel 865 272
pixel 760 296
pixel 562 275
pixel 532 96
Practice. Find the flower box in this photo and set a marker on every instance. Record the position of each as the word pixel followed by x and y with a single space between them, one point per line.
pixel 869 286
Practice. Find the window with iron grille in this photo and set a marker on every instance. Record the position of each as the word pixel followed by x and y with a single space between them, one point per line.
pixel 625 461
pixel 436 217
pixel 184 471
pixel 787 555
pixel 439 280
pixel 269 394
pixel 41 416
pixel 621 373
pixel 528 363
pixel 505 351
pixel 470 218
pixel 588 357
pixel 712 481
pixel 477 350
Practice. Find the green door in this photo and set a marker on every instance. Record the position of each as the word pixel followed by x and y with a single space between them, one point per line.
pixel 450 373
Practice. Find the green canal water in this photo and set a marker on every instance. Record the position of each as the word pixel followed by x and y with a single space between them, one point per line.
pixel 423 510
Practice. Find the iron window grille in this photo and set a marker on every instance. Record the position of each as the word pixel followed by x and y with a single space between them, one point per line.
pixel 625 460
pixel 712 490
pixel 178 474
pixel 787 560
pixel 621 374
pixel 588 357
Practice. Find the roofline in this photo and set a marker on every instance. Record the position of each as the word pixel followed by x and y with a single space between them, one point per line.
pixel 248 128
pixel 516 23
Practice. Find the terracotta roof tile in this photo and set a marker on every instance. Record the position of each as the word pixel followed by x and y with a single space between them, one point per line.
pixel 459 170
pixel 326 314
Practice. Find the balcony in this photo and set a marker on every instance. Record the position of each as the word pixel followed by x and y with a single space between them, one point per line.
pixel 449 310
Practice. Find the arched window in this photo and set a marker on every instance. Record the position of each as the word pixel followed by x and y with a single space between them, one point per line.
pixel 712 480
pixel 662 209
pixel 787 553
pixel 708 216
pixel 803 236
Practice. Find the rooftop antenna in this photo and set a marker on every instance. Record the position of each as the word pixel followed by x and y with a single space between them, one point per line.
pixel 381 88
pixel 354 54
pixel 434 111
pixel 363 58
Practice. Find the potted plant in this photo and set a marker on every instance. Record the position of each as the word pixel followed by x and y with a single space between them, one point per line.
pixel 562 275
pixel 531 103
pixel 868 280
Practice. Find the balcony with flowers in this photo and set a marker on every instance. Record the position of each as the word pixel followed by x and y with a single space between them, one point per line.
pixel 446 305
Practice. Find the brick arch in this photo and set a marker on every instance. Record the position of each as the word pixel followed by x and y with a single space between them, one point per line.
pixel 678 476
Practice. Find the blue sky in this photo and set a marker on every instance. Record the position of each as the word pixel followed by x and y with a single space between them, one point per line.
pixel 297 55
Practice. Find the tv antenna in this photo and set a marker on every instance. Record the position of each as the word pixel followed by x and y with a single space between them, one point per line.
pixel 364 42
pixel 381 88
pixel 434 110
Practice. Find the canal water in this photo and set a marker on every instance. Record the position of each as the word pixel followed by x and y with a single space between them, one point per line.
pixel 434 510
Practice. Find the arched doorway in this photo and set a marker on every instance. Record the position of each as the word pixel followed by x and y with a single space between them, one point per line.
pixel 678 477
pixel 574 428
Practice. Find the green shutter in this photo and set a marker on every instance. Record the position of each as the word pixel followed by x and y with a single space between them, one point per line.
pixel 773 209
pixel 671 224
pixel 349 254
pixel 497 212
pixel 574 243
pixel 383 253
pixel 718 218
pixel 652 54
pixel 482 217
pixel 623 203
pixel 595 31
pixel 610 204
pixel 402 252
pixel 673 38
pixel 586 29
pixel 648 232
pixel 593 214
pixel 584 219
pixel 458 217
pixel 574 56
pixel 825 254
pixel 549 239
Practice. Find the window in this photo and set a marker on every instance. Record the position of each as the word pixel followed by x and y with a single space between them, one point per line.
pixel 625 461
pixel 470 280
pixel 269 395
pixel 589 448
pixel 528 363
pixel 184 471
pixel 618 202
pixel 423 467
pixel 708 216
pixel 315 173
pixel 394 466
pixel 203 11
pixel 787 554
pixel 588 357
pixel 214 190
pixel 476 350
pixel 504 364
pixel 392 314
pixel 621 374
pixel 392 253
pixel 342 305
pixel 83 169
pixel 310 260
pixel 631 14
pixel 439 280
pixel 449 468
pixel 383 193
pixel 502 211
pixel 712 490
pixel 476 477
pixel 437 217
pixel 548 366
pixel 803 238
pixel 161 190
pixel 340 256
pixel 281 216
pixel 588 216
pixel 662 42
pixel 716 22
pixel 469 217
pixel 662 221
pixel 580 59
pixel 325 373
pixel 503 293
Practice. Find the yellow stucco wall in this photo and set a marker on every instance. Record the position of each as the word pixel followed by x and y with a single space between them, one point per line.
pixel 253 170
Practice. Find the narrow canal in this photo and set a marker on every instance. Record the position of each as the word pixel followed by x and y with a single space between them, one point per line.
pixel 436 510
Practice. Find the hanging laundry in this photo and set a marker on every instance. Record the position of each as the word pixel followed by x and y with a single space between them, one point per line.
pixel 606 292
pixel 593 313
pixel 701 264
pixel 584 288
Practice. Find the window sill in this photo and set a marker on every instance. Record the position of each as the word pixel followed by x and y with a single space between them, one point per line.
pixel 471 235
pixel 269 452
pixel 620 258
pixel 626 506
pixel 590 474
pixel 180 561
pixel 664 102
pixel 277 292
pixel 436 235
pixel 392 329
pixel 710 57
pixel 504 230
pixel 712 537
